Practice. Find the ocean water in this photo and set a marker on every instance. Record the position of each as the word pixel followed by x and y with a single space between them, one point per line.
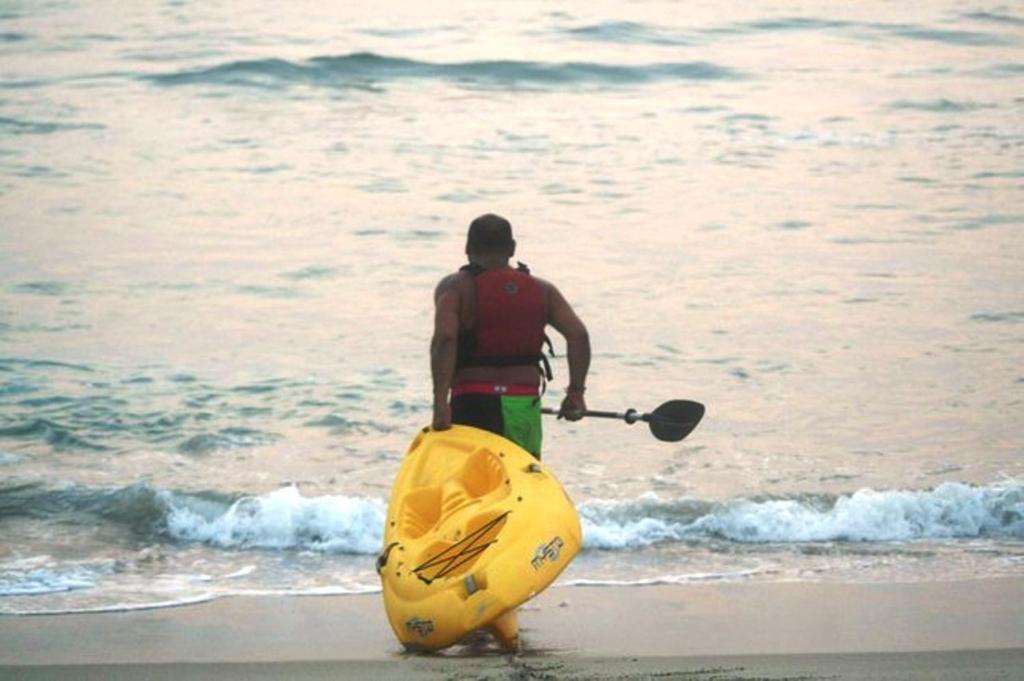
pixel 221 224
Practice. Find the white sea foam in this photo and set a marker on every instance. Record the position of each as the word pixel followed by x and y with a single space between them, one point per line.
pixel 45 581
pixel 282 519
pixel 952 510
pixel 352 589
pixel 243 572
pixel 691 578
pixel 123 607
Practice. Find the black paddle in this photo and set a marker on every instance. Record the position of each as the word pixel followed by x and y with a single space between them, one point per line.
pixel 670 422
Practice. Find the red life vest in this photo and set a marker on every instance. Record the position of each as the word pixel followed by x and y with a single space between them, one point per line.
pixel 510 316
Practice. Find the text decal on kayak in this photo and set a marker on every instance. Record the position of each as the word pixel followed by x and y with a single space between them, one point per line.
pixel 422 627
pixel 547 553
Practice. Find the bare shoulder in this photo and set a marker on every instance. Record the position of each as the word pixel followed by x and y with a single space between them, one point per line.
pixel 546 285
pixel 551 292
pixel 451 284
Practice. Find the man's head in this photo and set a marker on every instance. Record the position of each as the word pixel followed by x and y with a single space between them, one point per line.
pixel 490 236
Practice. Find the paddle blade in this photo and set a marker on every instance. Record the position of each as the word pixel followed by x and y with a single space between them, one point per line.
pixel 674 420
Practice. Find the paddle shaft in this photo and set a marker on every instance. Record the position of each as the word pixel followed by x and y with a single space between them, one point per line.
pixel 670 422
pixel 630 416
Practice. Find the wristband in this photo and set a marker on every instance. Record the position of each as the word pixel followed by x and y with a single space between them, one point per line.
pixel 573 389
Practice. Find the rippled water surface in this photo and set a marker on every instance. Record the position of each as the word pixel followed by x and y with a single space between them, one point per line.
pixel 221 223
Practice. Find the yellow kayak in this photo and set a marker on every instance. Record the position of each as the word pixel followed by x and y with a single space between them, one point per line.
pixel 475 527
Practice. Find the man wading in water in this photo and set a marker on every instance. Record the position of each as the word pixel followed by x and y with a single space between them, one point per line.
pixel 487 349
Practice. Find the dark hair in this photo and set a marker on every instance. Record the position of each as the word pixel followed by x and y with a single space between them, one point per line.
pixel 489 234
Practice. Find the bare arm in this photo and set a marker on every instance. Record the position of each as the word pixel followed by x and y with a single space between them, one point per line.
pixel 443 347
pixel 577 339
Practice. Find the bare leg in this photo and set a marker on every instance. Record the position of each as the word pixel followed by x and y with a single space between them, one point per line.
pixel 506 630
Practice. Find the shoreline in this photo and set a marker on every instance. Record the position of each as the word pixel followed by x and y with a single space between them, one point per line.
pixel 795 628
pixel 989 665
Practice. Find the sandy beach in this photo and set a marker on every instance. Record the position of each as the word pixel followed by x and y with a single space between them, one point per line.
pixel 959 630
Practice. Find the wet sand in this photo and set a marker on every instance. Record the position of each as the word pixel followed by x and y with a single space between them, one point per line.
pixel 951 630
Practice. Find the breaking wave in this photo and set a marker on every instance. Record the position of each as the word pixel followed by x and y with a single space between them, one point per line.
pixel 284 519
pixel 952 510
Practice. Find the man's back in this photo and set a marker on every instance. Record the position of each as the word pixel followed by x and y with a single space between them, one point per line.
pixel 486 353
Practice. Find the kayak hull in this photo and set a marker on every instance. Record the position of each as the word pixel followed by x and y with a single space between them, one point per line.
pixel 475 527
